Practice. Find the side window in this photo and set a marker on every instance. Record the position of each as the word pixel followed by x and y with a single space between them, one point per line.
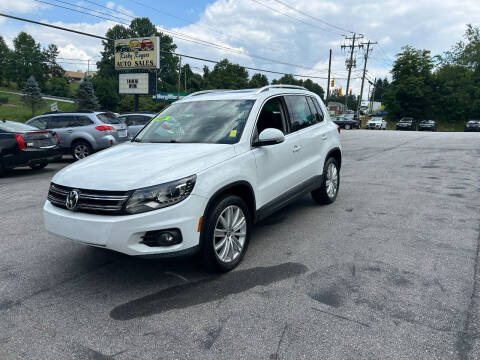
pixel 141 120
pixel 315 109
pixel 271 116
pixel 81 121
pixel 40 123
pixel 58 122
pixel 300 115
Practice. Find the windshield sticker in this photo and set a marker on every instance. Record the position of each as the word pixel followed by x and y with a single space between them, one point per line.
pixel 163 118
pixel 233 133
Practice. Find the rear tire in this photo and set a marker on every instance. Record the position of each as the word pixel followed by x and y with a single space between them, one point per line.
pixel 227 233
pixel 327 192
pixel 81 149
pixel 347 127
pixel 39 166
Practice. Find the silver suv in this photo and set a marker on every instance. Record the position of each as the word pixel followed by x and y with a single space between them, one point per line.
pixel 84 132
pixel 135 121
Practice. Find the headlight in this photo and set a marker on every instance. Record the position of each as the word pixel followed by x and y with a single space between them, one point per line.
pixel 160 196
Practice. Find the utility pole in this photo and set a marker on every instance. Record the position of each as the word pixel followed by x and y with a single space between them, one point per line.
pixel 373 94
pixel 329 70
pixel 364 72
pixel 350 63
pixel 179 72
pixel 185 78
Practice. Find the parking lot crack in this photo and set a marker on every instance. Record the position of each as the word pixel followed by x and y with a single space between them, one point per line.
pixel 467 335
pixel 341 317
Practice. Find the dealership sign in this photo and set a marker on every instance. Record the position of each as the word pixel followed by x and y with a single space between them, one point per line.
pixel 168 96
pixel 138 53
pixel 134 83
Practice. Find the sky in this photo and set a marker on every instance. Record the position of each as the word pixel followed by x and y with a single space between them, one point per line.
pixel 291 36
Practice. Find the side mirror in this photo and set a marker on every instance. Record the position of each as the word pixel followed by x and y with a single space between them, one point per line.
pixel 270 136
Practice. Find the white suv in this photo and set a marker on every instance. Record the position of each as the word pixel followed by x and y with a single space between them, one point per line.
pixel 200 174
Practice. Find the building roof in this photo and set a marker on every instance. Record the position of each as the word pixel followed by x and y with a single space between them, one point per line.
pixel 74 74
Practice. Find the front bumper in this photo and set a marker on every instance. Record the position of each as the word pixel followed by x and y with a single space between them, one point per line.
pixel 124 233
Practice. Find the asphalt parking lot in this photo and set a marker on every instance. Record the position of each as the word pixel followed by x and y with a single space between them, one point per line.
pixel 389 271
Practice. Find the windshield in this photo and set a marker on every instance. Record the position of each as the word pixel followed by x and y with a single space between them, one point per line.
pixel 427 122
pixel 212 121
pixel 407 120
pixel 108 118
pixel 15 126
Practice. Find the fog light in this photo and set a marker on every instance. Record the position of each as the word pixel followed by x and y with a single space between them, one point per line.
pixel 162 238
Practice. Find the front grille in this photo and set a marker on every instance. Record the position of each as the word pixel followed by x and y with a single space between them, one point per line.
pixel 91 201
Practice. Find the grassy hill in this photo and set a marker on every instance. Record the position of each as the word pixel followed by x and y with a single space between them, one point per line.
pixel 16 110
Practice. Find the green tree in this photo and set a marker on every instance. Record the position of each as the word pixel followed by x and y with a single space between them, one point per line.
pixel 226 75
pixel 51 67
pixel 194 81
pixel 314 87
pixel 58 86
pixel 106 89
pixel 32 96
pixel 257 81
pixel 380 87
pixel 411 90
pixel 4 61
pixel 287 80
pixel 85 96
pixel 28 60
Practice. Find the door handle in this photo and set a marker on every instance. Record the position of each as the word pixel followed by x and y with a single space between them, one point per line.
pixel 296 148
pixel 69 131
pixel 324 137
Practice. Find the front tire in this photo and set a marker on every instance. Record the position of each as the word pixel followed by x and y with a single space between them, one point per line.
pixel 227 233
pixel 327 192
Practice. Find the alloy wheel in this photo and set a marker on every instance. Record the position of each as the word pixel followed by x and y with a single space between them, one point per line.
pixel 81 151
pixel 230 234
pixel 332 180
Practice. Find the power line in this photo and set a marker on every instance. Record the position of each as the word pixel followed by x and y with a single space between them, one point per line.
pixel 313 17
pixel 210 28
pixel 163 51
pixel 182 36
pixel 294 18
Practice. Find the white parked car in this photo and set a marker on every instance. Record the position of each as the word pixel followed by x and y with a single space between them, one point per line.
pixel 200 174
pixel 376 123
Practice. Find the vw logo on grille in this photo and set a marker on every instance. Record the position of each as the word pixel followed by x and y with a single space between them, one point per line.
pixel 72 199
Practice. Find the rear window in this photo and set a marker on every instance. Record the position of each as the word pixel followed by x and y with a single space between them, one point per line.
pixel 13 126
pixel 108 118
pixel 40 123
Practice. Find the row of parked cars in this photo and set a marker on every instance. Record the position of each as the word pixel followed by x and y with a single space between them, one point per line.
pixel 45 138
pixel 347 121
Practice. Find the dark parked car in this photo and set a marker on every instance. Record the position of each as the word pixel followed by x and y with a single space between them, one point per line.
pixel 24 145
pixel 407 123
pixel 427 125
pixel 472 125
pixel 346 122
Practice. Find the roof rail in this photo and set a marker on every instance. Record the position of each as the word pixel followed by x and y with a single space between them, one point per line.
pixel 268 87
pixel 69 112
pixel 207 92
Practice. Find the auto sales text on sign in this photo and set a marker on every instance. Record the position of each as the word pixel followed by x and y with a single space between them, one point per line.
pixel 138 53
